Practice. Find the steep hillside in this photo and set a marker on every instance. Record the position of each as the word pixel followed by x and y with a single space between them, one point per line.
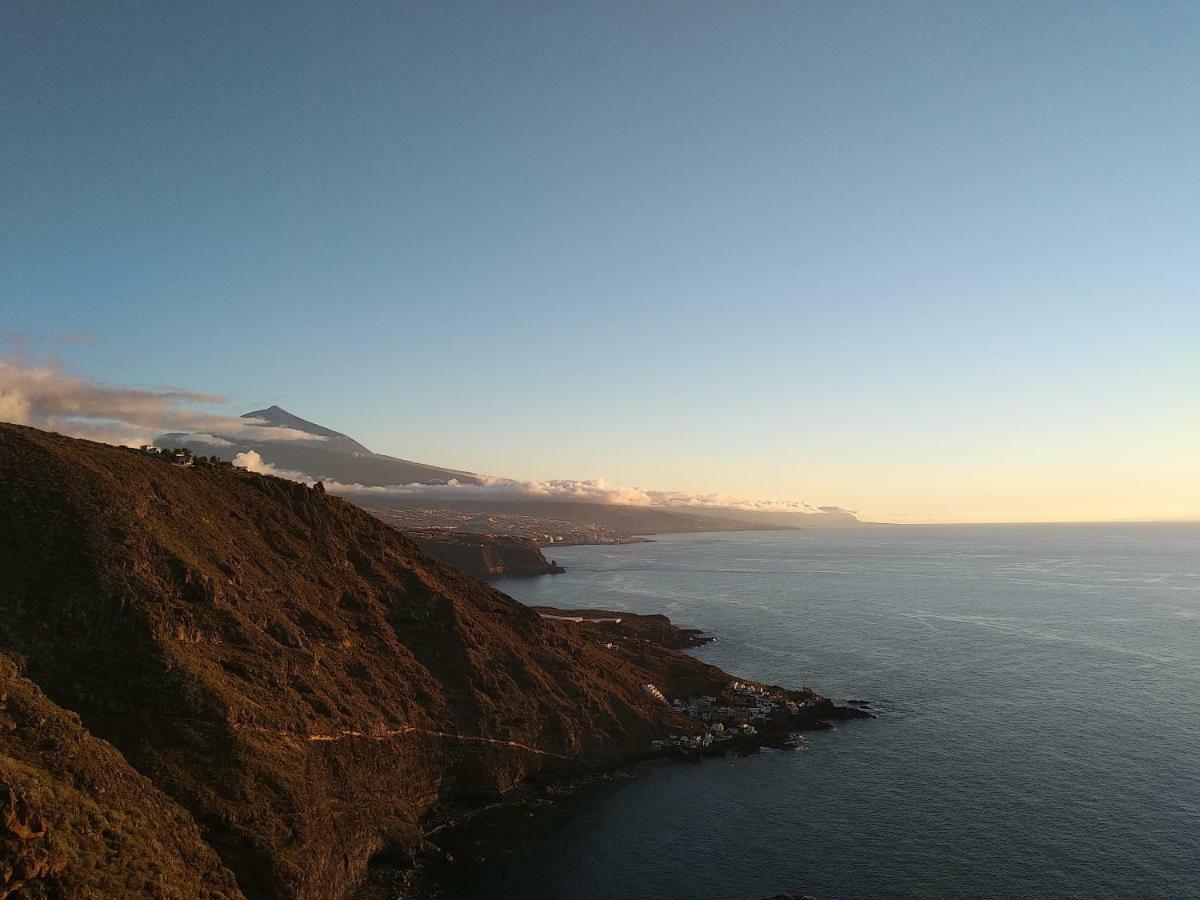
pixel 76 820
pixel 295 674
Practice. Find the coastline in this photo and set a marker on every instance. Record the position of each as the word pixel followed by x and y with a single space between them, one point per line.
pixel 462 838
pixel 462 841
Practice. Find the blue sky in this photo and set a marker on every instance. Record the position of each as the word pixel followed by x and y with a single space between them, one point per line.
pixel 934 261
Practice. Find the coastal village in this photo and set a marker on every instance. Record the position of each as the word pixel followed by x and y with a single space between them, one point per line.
pixel 742 717
pixel 739 717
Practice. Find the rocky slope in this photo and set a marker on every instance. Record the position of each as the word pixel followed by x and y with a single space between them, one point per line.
pixel 76 820
pixel 287 686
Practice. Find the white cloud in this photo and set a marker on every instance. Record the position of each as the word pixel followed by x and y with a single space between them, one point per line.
pixel 14 407
pixel 210 439
pixel 724 501
pixel 252 461
pixel 251 430
pixel 42 395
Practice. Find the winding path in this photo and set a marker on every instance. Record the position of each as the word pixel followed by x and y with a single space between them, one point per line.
pixel 399 732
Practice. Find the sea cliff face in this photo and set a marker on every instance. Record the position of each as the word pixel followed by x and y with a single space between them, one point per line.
pixel 486 556
pixel 288 687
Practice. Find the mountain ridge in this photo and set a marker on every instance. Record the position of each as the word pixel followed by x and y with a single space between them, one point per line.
pixel 333 455
pixel 279 417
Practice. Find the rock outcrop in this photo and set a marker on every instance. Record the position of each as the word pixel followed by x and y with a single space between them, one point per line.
pixel 654 628
pixel 486 556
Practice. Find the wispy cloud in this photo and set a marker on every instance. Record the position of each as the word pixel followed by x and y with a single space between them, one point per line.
pixel 41 394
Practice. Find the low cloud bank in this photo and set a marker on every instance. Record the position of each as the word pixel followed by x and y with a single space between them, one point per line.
pixel 562 490
pixel 489 487
pixel 724 501
pixel 42 395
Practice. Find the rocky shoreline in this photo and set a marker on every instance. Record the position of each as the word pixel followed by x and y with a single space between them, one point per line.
pixel 462 839
pixel 737 716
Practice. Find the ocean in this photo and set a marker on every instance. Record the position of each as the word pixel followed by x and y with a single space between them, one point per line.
pixel 1038 690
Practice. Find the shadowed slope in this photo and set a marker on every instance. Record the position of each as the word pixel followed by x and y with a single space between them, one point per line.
pixel 77 821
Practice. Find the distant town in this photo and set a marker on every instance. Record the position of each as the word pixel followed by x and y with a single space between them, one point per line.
pixel 544 532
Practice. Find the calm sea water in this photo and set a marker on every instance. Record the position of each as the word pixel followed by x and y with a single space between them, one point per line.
pixel 1039 735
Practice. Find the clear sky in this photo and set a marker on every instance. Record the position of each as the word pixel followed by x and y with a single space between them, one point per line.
pixel 930 261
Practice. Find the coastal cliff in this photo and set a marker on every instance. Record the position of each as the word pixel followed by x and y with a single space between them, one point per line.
pixel 654 628
pixel 266 688
pixel 486 556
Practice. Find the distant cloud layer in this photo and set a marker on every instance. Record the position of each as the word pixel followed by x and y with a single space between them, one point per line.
pixel 562 490
pixel 724 501
pixel 490 487
pixel 40 394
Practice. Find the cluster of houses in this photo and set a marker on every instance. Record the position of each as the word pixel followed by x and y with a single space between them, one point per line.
pixel 743 703
pixel 180 456
pixel 734 713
